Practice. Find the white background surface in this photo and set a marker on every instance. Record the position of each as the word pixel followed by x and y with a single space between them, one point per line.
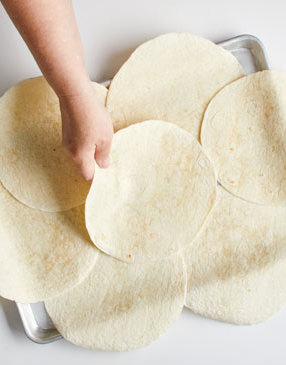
pixel 110 30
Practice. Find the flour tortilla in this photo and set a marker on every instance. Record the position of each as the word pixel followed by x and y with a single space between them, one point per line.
pixel 237 265
pixel 156 195
pixel 244 131
pixel 33 165
pixel 121 307
pixel 41 254
pixel 172 77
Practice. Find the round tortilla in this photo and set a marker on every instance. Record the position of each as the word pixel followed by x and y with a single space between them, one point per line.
pixel 41 254
pixel 121 307
pixel 244 131
pixel 237 264
pixel 172 77
pixel 33 165
pixel 156 195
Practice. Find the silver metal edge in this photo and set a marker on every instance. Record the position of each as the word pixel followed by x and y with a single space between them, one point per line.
pixel 254 45
pixel 31 326
pixel 247 41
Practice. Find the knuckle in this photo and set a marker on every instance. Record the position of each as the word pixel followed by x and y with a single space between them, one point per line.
pixel 104 140
pixel 101 142
pixel 74 151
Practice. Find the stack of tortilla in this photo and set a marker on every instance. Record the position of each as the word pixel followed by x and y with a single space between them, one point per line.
pixel 116 260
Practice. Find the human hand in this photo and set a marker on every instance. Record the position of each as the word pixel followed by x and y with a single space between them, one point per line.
pixel 87 130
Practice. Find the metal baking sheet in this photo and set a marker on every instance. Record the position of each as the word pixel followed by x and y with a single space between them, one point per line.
pixel 37 324
pixel 251 53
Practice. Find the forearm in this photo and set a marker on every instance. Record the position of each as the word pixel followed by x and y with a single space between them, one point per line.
pixel 50 31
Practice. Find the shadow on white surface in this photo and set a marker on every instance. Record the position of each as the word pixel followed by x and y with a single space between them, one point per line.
pixel 192 340
pixel 113 62
pixel 12 317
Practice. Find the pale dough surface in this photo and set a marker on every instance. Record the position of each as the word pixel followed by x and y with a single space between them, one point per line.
pixel 121 307
pixel 156 195
pixel 41 253
pixel 33 165
pixel 244 132
pixel 237 265
pixel 172 78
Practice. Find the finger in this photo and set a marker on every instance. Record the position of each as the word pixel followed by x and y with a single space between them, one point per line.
pixel 84 159
pixel 86 166
pixel 102 152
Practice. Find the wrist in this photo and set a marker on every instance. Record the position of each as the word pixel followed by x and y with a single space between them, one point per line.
pixel 73 85
pixel 79 97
